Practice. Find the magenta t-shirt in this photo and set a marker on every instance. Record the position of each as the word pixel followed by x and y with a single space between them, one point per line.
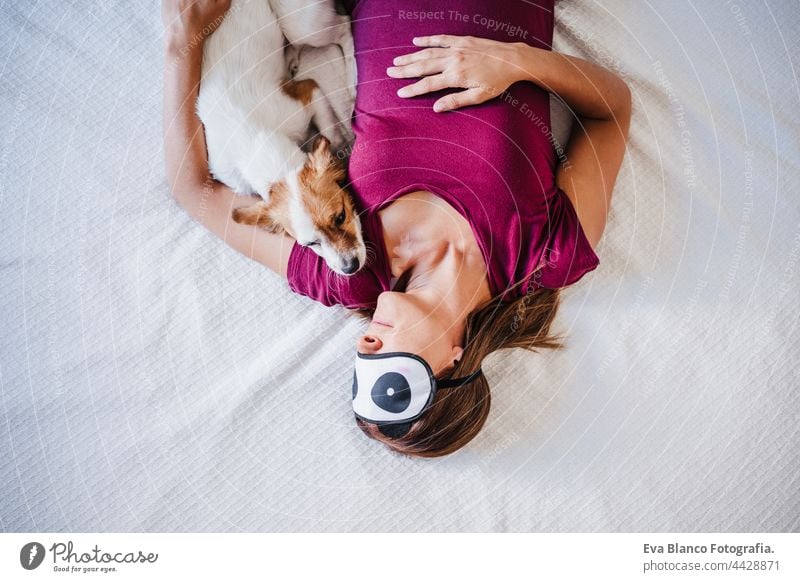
pixel 494 163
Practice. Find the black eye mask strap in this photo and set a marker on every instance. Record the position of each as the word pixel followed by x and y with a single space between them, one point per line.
pixel 454 382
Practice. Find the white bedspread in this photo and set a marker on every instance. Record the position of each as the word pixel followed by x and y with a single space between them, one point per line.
pixel 154 380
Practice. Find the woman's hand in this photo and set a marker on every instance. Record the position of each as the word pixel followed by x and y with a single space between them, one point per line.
pixel 485 68
pixel 598 97
pixel 189 22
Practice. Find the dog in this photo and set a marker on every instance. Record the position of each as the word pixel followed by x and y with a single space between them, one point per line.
pixel 256 117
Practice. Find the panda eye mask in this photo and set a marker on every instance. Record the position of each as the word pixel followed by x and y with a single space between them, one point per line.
pixel 394 389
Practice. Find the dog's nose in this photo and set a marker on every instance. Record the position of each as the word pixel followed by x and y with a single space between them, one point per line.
pixel 351 266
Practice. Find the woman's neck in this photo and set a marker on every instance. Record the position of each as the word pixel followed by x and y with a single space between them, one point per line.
pixel 423 234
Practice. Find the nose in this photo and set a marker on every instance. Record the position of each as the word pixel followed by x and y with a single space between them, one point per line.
pixel 351 266
pixel 369 344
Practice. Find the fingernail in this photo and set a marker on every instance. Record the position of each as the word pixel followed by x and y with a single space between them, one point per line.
pixel 396 61
pixel 438 107
pixel 401 92
pixel 391 71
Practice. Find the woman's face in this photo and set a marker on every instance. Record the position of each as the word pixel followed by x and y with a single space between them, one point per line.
pixel 403 322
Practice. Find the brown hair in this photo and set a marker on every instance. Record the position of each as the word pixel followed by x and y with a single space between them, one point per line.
pixel 458 414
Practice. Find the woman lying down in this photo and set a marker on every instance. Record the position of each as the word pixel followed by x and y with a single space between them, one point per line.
pixel 472 222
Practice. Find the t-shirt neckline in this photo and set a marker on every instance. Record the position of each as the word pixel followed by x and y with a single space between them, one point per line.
pixel 448 198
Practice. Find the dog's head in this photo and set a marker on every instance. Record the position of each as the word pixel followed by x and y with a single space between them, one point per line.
pixel 315 210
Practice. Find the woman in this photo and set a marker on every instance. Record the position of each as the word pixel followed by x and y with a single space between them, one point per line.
pixel 473 223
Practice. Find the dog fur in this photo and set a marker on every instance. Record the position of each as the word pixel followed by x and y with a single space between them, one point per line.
pixel 255 117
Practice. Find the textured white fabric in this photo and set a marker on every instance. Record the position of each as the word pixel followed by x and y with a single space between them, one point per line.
pixel 154 380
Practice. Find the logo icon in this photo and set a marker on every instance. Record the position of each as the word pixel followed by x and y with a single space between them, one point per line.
pixel 31 555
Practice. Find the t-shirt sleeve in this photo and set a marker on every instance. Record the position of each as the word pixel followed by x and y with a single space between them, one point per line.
pixel 308 274
pixel 568 255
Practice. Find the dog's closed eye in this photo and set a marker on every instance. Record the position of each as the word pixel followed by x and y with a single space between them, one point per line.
pixel 340 218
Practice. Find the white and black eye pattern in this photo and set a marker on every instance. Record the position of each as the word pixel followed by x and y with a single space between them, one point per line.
pixel 391 387
pixel 391 392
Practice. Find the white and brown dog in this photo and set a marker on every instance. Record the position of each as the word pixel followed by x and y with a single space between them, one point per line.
pixel 255 117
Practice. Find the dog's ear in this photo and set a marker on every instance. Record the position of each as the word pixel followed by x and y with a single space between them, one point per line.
pixel 320 158
pixel 258 214
pixel 320 145
pixel 322 162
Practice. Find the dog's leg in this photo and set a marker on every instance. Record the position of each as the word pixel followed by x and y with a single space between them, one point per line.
pixel 292 55
pixel 307 92
pixel 311 22
pixel 325 119
pixel 329 69
pixel 348 53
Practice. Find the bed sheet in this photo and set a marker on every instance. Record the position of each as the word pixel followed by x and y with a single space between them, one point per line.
pixel 153 380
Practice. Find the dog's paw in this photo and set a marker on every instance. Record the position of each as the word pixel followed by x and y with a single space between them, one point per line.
pixel 292 56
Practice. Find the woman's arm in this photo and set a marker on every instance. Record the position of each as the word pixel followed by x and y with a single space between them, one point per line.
pixel 187 23
pixel 600 100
